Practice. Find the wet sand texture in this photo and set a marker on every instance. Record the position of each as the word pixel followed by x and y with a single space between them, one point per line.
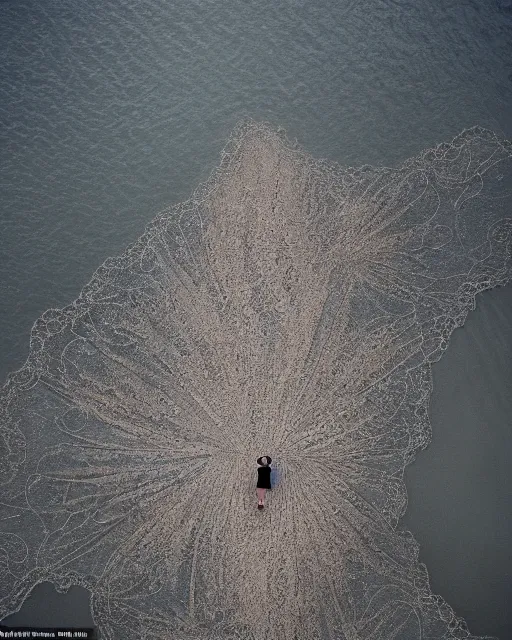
pixel 290 307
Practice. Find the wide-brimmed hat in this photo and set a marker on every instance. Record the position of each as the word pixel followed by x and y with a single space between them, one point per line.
pixel 269 460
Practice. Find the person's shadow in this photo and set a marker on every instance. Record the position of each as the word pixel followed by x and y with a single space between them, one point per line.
pixel 274 477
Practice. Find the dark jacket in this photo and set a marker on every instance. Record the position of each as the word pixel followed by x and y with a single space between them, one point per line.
pixel 264 478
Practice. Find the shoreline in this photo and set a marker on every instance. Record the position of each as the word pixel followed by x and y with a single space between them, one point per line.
pixel 465 536
pixel 459 487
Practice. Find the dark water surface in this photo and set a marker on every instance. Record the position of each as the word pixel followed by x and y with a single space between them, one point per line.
pixel 460 487
pixel 110 111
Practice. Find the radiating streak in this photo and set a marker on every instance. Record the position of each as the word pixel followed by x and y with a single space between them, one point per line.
pixel 290 308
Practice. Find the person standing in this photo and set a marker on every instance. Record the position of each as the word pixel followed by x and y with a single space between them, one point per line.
pixel 263 479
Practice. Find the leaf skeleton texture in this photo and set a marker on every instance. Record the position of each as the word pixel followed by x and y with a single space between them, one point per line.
pixel 290 307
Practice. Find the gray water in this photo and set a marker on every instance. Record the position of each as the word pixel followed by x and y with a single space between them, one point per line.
pixel 112 110
pixel 460 487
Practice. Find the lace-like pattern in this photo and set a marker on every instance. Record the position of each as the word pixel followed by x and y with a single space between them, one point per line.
pixel 290 307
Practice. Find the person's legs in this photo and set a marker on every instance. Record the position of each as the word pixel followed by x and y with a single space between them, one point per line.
pixel 261 495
